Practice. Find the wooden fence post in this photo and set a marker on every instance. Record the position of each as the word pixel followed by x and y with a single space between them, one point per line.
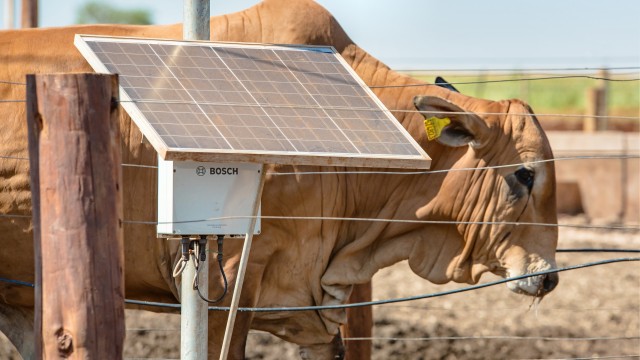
pixel 597 105
pixel 29 14
pixel 74 146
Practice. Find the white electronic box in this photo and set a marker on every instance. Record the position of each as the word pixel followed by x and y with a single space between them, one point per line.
pixel 191 191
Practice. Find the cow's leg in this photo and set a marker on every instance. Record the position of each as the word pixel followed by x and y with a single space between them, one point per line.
pixel 217 324
pixel 248 298
pixel 17 324
pixel 359 324
pixel 332 350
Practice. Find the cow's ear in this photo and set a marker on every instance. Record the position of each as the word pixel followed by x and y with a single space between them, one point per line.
pixel 440 81
pixel 464 128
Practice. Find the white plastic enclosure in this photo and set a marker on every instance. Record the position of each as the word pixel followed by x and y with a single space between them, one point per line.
pixel 189 191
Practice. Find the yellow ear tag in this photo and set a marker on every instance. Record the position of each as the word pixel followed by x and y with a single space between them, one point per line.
pixel 434 126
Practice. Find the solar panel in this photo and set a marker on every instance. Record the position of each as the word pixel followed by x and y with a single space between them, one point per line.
pixel 279 104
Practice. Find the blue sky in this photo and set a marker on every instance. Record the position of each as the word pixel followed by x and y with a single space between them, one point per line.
pixel 463 34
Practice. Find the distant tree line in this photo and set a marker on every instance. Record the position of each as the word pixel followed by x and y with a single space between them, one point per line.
pixel 98 12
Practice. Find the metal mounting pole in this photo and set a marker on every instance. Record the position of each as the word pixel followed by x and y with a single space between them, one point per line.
pixel 194 320
pixel 9 12
pixel 196 20
pixel 242 267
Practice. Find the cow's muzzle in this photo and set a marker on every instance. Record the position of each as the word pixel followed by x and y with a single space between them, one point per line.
pixel 548 284
pixel 537 286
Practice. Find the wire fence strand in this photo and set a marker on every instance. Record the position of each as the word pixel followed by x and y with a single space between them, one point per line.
pixel 590 250
pixel 495 337
pixel 588 358
pixel 396 300
pixel 520 70
pixel 409 172
pixel 405 221
pixel 371 303
pixel 7 82
pixel 561 77
pixel 346 108
pixel 507 80
pixel 631 228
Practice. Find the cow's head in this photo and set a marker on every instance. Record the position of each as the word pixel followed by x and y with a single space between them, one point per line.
pixel 490 201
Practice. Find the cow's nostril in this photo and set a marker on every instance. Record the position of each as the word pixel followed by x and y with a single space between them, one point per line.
pixel 550 282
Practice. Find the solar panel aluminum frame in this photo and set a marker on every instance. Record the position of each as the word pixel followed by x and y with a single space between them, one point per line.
pixel 418 161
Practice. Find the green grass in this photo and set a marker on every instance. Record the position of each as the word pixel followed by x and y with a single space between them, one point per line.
pixel 567 96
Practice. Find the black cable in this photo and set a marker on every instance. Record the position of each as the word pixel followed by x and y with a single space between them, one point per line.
pixel 379 302
pixel 224 276
pixel 426 296
pixel 17 282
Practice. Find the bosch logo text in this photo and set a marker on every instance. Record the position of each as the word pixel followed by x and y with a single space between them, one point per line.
pixel 223 171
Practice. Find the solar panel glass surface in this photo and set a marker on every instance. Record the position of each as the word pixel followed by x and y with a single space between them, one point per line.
pixel 276 101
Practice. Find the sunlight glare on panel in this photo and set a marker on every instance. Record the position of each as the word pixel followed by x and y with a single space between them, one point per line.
pixel 252 102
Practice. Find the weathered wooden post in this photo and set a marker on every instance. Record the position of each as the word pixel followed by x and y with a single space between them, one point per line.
pixel 74 147
pixel 597 105
pixel 29 14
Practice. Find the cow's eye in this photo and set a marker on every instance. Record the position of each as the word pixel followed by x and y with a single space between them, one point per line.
pixel 525 177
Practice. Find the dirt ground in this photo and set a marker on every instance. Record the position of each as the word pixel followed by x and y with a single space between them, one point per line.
pixel 594 313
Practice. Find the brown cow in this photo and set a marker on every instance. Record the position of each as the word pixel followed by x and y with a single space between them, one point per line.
pixel 298 263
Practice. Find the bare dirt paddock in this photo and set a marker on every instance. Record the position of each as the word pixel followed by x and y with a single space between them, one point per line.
pixel 594 313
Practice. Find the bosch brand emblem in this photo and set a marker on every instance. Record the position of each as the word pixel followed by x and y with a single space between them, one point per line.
pixel 201 170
